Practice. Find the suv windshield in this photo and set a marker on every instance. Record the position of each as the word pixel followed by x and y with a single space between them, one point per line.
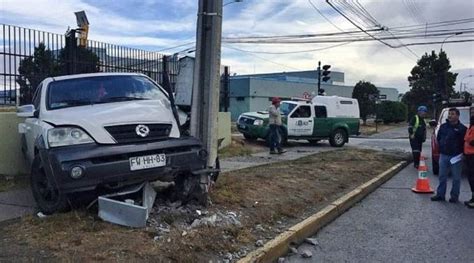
pixel 103 89
pixel 286 107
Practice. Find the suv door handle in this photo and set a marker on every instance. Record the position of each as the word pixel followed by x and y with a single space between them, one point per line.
pixel 310 120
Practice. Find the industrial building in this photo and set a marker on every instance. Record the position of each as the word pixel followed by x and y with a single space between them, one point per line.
pixel 254 92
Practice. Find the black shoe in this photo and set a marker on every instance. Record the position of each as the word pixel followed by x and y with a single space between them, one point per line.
pixel 436 198
pixel 470 203
pixel 453 200
pixel 281 151
pixel 273 152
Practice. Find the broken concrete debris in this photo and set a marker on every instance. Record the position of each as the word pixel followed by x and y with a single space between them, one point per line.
pixel 306 254
pixel 259 243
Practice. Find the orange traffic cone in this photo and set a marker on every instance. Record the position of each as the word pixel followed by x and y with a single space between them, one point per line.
pixel 422 183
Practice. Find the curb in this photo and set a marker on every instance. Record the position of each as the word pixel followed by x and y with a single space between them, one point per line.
pixel 279 246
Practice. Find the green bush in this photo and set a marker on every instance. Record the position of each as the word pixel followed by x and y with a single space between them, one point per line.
pixel 392 111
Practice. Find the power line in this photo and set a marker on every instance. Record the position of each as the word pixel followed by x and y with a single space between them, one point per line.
pixel 304 39
pixel 173 47
pixel 327 19
pixel 251 54
pixel 363 30
pixel 435 42
pixel 293 52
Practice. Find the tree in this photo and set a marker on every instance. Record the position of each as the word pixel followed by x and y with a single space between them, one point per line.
pixel 46 63
pixel 33 70
pixel 430 75
pixel 363 91
pixel 391 111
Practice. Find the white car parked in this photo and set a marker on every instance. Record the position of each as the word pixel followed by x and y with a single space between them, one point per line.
pixel 105 130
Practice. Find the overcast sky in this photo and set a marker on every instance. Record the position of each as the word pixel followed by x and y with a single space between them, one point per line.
pixel 157 24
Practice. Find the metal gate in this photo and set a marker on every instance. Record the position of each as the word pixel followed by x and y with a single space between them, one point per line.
pixel 27 56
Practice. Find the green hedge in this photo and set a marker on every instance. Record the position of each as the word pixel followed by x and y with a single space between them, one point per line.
pixel 392 111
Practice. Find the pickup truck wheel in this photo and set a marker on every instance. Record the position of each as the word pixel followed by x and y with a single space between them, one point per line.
pixel 193 188
pixel 338 138
pixel 46 194
pixel 249 137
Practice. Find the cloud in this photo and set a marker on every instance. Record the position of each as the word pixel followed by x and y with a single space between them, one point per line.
pixel 157 24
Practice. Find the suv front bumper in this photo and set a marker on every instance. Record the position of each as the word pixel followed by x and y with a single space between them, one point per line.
pixel 109 165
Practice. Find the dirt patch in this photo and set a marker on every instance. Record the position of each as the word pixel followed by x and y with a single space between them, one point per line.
pixel 370 129
pixel 239 146
pixel 249 205
pixel 7 109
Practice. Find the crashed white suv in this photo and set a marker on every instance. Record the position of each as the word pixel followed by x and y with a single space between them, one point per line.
pixel 106 130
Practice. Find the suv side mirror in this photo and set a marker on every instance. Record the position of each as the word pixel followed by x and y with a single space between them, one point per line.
pixel 26 111
pixel 433 123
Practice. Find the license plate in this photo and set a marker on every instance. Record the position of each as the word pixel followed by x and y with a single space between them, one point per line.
pixel 147 162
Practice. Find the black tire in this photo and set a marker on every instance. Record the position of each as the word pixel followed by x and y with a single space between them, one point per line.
pixel 46 194
pixel 338 138
pixel 313 142
pixel 435 166
pixel 250 137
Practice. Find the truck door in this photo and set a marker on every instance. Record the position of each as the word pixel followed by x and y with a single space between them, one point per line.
pixel 300 121
pixel 322 127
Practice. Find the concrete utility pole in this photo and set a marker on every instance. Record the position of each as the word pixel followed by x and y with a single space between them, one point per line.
pixel 205 102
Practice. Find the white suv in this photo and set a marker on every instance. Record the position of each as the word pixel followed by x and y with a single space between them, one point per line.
pixel 105 130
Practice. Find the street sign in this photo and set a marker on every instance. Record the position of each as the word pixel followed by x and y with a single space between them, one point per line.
pixel 382 97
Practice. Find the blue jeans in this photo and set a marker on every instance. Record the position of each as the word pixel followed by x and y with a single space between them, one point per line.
pixel 275 137
pixel 444 167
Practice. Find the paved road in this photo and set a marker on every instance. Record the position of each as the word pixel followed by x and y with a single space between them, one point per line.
pixel 395 225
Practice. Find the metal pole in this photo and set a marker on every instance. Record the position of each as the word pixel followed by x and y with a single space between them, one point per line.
pixel 205 102
pixel 319 78
pixel 226 88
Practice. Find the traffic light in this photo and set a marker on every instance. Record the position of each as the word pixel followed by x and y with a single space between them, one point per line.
pixel 326 73
pixel 437 97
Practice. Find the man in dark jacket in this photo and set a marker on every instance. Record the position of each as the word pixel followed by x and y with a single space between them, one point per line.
pixel 417 133
pixel 451 143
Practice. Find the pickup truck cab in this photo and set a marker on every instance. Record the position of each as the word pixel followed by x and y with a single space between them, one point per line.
pixel 463 107
pixel 105 130
pixel 324 117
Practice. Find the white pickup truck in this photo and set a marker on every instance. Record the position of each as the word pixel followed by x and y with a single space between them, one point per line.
pixel 105 130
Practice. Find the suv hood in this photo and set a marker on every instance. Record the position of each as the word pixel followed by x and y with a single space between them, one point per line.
pixel 93 118
pixel 256 114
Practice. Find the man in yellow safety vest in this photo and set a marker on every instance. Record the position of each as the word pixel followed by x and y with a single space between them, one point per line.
pixel 417 132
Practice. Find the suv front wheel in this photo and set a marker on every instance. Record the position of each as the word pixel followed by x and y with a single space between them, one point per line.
pixel 46 194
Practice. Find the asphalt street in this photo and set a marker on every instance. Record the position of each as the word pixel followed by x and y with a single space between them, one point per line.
pixel 393 224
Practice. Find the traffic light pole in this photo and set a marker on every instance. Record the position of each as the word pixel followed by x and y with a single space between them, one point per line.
pixel 319 78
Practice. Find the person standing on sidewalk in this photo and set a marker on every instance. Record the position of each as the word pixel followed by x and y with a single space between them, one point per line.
pixel 469 154
pixel 417 133
pixel 451 143
pixel 275 126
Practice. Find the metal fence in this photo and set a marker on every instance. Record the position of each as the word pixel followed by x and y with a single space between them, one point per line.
pixel 62 55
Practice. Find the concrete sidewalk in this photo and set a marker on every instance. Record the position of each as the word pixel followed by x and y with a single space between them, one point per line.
pixel 16 203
